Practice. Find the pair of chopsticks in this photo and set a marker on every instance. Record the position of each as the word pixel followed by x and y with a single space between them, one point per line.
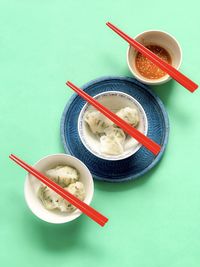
pixel 141 138
pixel 82 206
pixel 174 73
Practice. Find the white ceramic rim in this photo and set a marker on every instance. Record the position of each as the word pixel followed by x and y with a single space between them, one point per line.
pixel 65 219
pixel 110 157
pixel 166 77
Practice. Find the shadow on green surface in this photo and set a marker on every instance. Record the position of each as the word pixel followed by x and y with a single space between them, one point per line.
pixel 63 237
pixel 60 238
pixel 130 185
pixel 165 91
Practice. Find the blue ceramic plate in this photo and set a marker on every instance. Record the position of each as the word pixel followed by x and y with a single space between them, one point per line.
pixel 139 163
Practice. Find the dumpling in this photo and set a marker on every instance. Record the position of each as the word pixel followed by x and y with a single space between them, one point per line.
pixel 49 198
pixel 77 189
pixel 110 145
pixel 66 206
pixel 97 121
pixel 130 115
pixel 63 175
pixel 116 133
pixel 67 177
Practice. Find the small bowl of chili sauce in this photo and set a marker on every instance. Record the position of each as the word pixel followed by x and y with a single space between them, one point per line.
pixel 163 45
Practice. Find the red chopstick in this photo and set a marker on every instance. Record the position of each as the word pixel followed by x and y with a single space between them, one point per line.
pixel 82 206
pixel 174 73
pixel 141 138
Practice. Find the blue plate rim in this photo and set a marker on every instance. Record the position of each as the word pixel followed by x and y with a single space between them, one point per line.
pixel 164 112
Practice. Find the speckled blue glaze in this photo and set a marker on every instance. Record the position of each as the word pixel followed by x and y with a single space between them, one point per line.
pixel 134 166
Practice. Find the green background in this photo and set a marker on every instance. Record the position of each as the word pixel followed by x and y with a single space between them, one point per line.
pixel 154 221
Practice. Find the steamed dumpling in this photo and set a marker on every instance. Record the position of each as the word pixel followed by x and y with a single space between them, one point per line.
pixel 130 115
pixel 63 175
pixel 49 198
pixel 116 133
pixel 66 206
pixel 77 189
pixel 110 145
pixel 68 178
pixel 97 121
pixel 112 138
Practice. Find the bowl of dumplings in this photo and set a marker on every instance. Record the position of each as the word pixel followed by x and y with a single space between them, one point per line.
pixel 71 174
pixel 101 136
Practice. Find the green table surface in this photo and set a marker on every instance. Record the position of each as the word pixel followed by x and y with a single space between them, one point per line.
pixel 154 221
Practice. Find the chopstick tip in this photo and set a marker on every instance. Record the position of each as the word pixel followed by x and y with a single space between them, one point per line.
pixel 194 88
pixel 109 24
pixel 103 223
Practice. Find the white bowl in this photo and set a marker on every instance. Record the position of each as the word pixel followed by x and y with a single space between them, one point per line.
pixel 160 38
pixel 32 185
pixel 114 101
